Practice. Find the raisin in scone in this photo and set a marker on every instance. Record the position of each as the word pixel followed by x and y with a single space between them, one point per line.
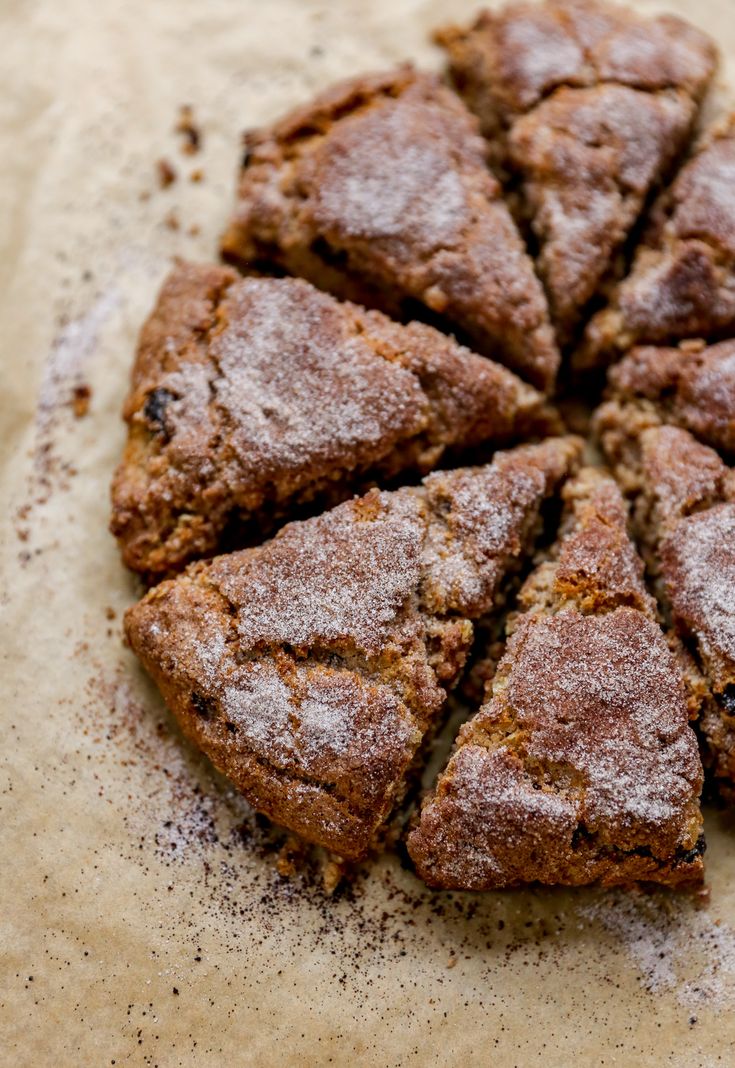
pixel 581 767
pixel 250 396
pixel 684 514
pixel 682 281
pixel 692 386
pixel 311 668
pixel 586 106
pixel 379 191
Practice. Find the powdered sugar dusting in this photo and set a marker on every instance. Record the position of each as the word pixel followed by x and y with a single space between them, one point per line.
pixel 699 561
pixel 341 576
pixel 321 722
pixel 705 205
pixel 489 510
pixel 614 709
pixel 389 174
pixel 298 383
pixel 678 948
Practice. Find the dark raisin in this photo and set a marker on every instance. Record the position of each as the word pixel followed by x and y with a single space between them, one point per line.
pixel 155 409
pixel 202 705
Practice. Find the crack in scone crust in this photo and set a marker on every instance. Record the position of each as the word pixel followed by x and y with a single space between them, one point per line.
pixel 581 767
pixel 309 669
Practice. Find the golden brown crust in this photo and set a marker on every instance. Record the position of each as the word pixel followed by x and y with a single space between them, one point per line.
pixel 252 395
pixel 692 387
pixel 581 766
pixel 682 282
pixel 379 191
pixel 684 510
pixel 588 105
pixel 309 669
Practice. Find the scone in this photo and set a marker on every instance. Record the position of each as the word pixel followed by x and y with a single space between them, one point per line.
pixel 581 767
pixel 586 106
pixel 692 386
pixel 682 282
pixel 684 514
pixel 310 669
pixel 378 190
pixel 253 396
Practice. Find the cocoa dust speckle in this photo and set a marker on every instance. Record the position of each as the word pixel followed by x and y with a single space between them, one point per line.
pixel 256 885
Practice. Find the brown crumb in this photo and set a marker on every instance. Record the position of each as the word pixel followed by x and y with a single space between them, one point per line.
pixel 172 220
pixel 194 230
pixel 166 173
pixel 144 195
pixel 197 175
pixel 80 399
pixel 290 859
pixel 333 871
pixel 110 612
pixel 192 136
pixel 451 963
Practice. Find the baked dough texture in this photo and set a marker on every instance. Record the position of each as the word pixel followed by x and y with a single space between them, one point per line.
pixel 311 669
pixel 692 386
pixel 684 514
pixel 682 281
pixel 581 767
pixel 379 191
pixel 586 107
pixel 254 396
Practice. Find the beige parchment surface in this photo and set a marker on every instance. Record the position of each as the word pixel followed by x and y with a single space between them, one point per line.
pixel 142 921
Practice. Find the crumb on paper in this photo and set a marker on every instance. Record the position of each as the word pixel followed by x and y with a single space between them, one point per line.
pixel 80 399
pixel 190 131
pixel 291 857
pixel 197 175
pixel 166 173
pixel 171 220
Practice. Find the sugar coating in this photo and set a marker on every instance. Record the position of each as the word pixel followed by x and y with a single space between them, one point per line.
pixel 587 105
pixel 693 388
pixel 699 569
pixel 684 497
pixel 310 668
pixel 253 396
pixel 380 187
pixel 581 765
pixel 682 281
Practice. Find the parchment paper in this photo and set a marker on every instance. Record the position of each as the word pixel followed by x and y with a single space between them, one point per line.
pixel 143 919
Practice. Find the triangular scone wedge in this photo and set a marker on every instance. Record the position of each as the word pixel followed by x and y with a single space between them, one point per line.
pixel 379 191
pixel 682 281
pixel 311 669
pixel 587 105
pixel 251 396
pixel 692 386
pixel 581 767
pixel 684 515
